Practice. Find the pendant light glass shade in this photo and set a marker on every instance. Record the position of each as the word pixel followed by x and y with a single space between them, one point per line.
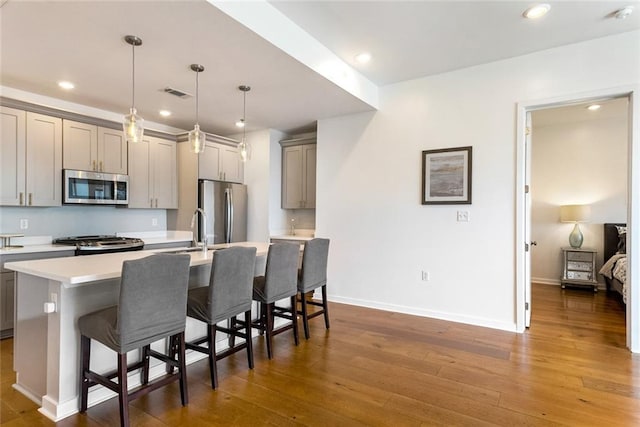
pixel 197 138
pixel 133 124
pixel 244 148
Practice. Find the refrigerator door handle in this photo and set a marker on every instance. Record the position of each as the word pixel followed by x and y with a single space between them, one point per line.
pixel 228 199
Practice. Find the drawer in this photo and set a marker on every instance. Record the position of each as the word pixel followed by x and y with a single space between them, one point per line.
pixel 579 275
pixel 580 256
pixel 579 265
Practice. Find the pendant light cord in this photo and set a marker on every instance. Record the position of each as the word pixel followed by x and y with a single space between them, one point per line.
pixel 197 80
pixel 244 115
pixel 133 76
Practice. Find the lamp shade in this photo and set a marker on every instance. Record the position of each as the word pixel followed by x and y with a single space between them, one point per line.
pixel 575 213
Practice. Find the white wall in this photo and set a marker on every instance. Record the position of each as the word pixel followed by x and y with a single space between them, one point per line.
pixel 575 163
pixel 369 179
pixel 262 176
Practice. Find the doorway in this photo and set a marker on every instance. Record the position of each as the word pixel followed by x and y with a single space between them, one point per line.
pixel 523 212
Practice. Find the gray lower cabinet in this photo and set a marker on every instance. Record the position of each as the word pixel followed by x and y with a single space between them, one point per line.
pixel 8 286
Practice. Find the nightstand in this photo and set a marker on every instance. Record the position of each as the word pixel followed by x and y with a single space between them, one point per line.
pixel 579 268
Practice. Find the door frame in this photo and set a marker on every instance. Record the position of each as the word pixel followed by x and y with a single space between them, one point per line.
pixel 633 195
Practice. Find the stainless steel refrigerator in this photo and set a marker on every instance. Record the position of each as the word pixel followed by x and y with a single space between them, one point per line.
pixel 225 208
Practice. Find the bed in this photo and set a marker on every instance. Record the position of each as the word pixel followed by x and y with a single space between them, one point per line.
pixel 614 269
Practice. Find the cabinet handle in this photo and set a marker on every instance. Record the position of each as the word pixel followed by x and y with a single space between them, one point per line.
pixel 30 199
pixel 156 202
pixel 151 202
pixel 21 198
pixel 100 165
pixel 93 167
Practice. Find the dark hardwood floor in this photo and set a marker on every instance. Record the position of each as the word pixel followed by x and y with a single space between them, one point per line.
pixel 380 368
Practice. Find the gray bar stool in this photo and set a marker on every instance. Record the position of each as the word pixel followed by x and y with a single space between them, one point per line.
pixel 228 295
pixel 152 305
pixel 312 276
pixel 279 282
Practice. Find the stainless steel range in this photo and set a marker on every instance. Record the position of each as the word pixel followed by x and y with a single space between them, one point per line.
pixel 92 245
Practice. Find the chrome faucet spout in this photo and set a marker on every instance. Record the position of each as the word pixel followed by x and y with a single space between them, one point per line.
pixel 204 228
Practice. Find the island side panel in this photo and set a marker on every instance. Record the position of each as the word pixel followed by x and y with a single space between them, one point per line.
pixel 63 347
pixel 30 336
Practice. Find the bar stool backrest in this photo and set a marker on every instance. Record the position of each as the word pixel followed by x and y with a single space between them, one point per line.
pixel 153 299
pixel 314 264
pixel 281 275
pixel 231 282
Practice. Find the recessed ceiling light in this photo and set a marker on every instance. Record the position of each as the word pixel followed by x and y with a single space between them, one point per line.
pixel 624 12
pixel 165 113
pixel 363 57
pixel 537 11
pixel 240 123
pixel 66 85
pixel 593 107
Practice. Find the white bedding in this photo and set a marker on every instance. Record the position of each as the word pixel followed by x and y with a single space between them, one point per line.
pixel 616 267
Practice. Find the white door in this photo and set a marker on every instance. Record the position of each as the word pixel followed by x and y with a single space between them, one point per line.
pixel 527 222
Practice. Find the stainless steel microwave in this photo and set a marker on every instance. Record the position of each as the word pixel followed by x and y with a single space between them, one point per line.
pixel 95 188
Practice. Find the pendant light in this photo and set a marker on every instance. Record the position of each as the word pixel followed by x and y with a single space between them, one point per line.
pixel 243 147
pixel 197 138
pixel 133 124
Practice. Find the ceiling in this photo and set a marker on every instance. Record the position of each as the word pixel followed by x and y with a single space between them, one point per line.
pixel 617 108
pixel 43 42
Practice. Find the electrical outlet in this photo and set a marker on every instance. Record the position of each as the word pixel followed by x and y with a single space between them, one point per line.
pixel 154 222
pixel 463 216
pixel 425 276
pixel 24 224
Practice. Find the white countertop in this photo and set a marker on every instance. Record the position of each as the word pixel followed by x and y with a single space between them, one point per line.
pixel 75 271
pixel 300 234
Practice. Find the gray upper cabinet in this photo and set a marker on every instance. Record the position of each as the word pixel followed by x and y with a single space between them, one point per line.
pixel 31 159
pixel 94 148
pixel 220 162
pixel 299 174
pixel 153 176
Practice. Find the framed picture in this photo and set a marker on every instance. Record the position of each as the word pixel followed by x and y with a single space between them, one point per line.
pixel 446 176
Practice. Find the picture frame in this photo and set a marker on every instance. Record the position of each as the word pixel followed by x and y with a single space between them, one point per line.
pixel 446 176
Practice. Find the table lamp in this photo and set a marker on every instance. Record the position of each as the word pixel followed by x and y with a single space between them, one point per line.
pixel 575 214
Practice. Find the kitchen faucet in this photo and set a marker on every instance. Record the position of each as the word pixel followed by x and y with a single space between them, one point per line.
pixel 204 229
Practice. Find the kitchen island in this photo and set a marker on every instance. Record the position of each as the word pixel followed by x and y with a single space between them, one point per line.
pixel 51 294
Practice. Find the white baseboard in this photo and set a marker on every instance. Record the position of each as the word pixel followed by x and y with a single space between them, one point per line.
pixel 452 317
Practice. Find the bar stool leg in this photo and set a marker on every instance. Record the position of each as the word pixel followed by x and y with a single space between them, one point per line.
pixel 294 319
pixel 249 341
pixel 268 326
pixel 305 317
pixel 325 306
pixel 85 354
pixel 232 337
pixel 145 364
pixel 123 394
pixel 212 356
pixel 184 392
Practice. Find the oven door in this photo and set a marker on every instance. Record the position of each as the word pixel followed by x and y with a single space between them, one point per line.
pixel 94 188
